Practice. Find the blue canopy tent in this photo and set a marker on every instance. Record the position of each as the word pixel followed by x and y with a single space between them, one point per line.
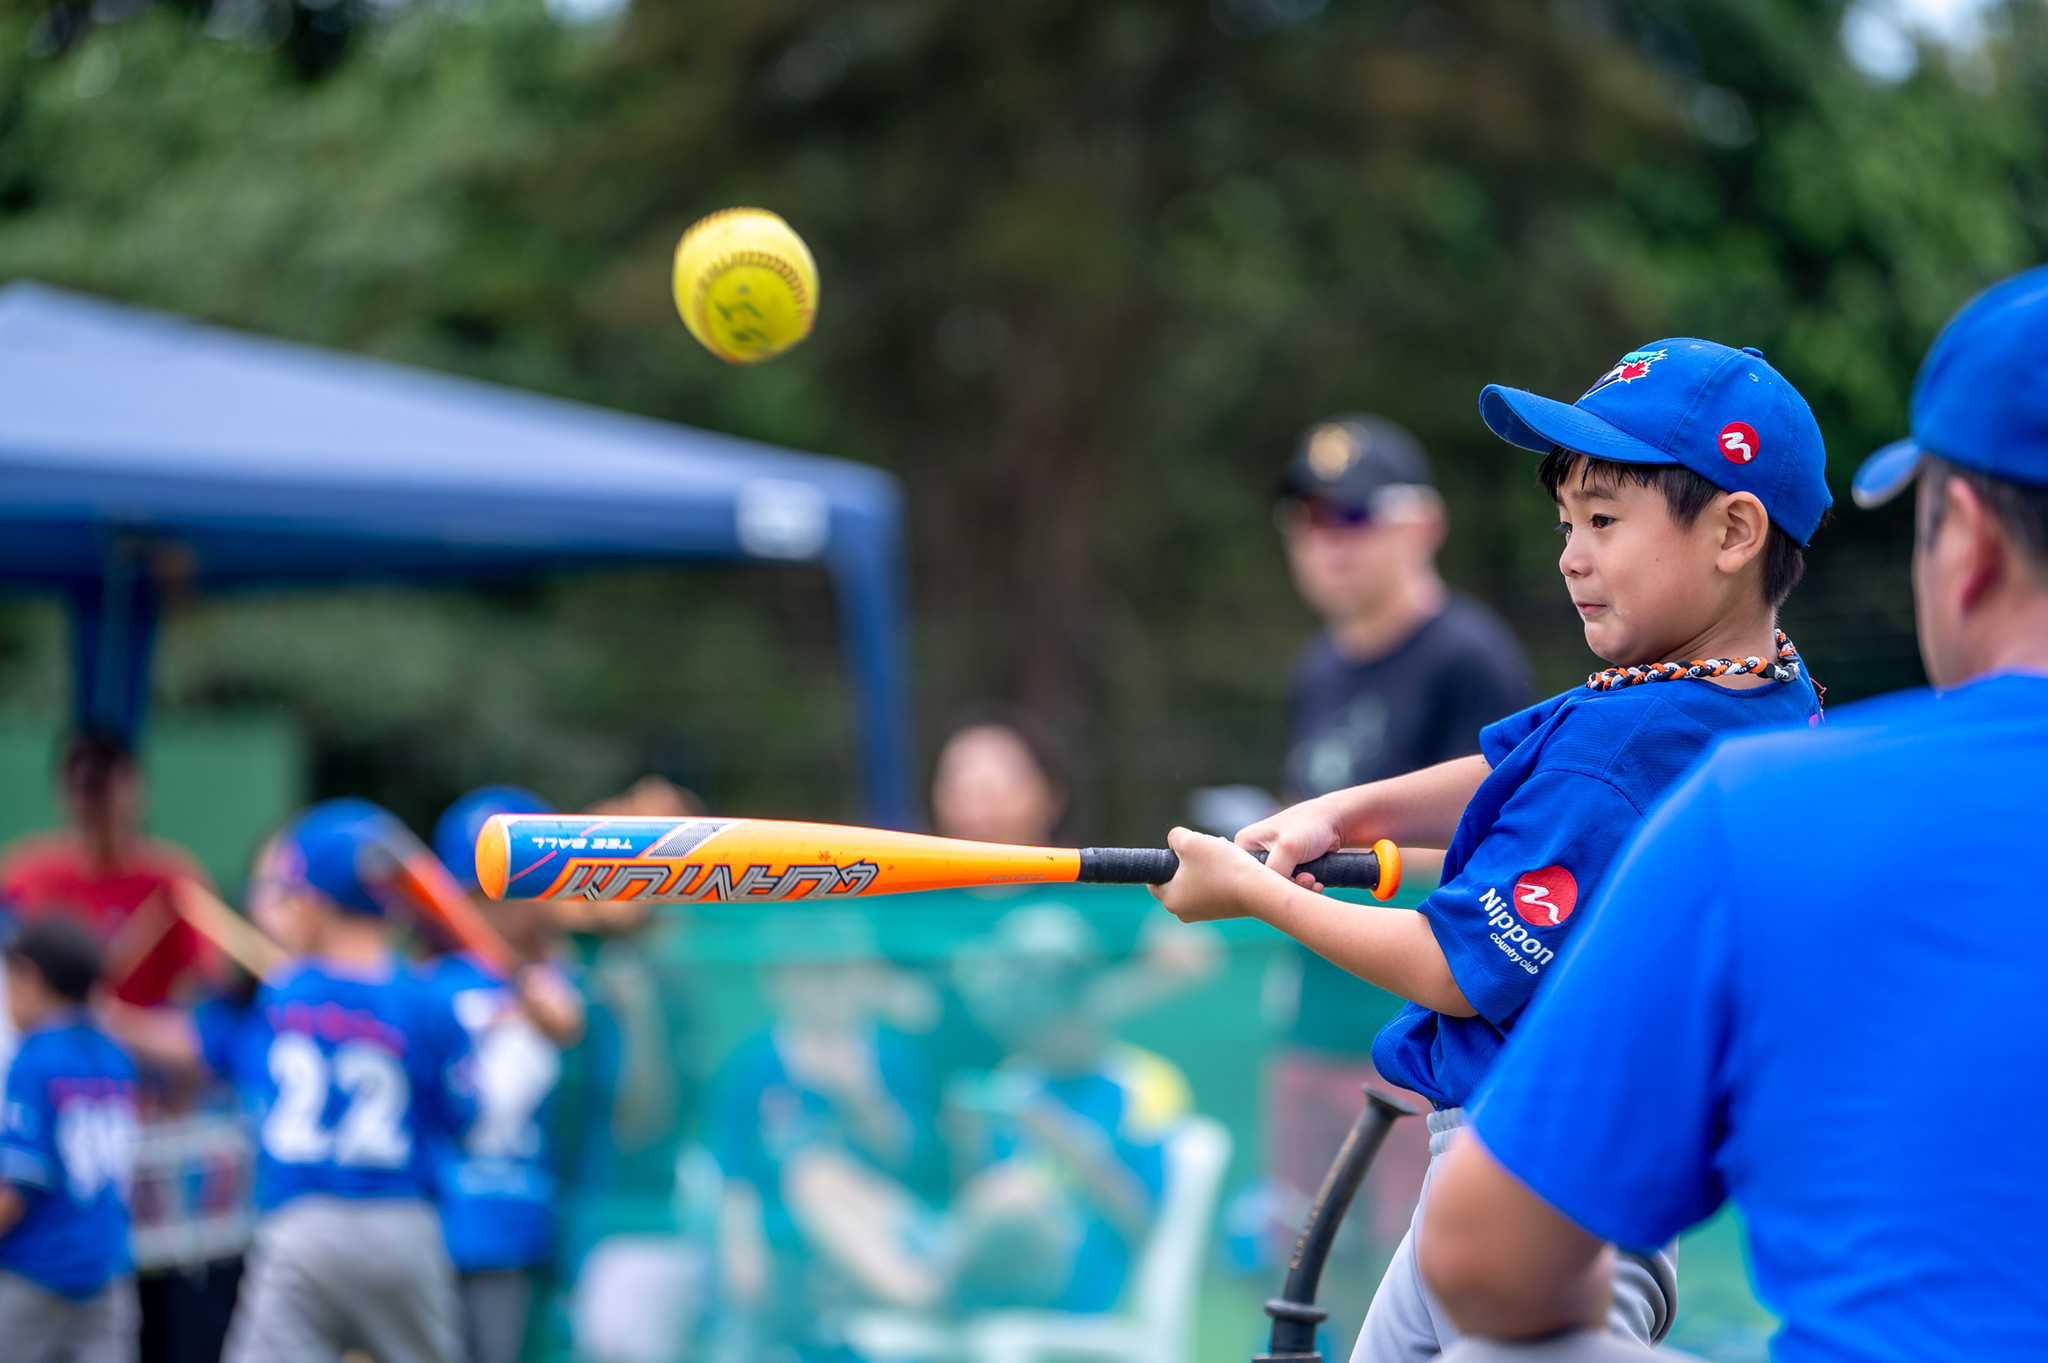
pixel 137 447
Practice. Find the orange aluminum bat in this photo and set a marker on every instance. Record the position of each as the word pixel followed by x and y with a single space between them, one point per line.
pixel 545 856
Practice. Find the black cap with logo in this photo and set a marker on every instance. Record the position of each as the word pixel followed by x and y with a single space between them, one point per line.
pixel 1349 459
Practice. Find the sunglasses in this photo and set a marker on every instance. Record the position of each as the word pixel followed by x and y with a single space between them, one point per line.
pixel 1322 514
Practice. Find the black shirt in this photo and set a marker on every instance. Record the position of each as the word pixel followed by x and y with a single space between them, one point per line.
pixel 1349 723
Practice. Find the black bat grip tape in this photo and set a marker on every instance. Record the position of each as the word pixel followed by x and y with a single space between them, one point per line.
pixel 1156 865
pixel 1341 870
pixel 1128 865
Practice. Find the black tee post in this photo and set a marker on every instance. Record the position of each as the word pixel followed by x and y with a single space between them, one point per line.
pixel 1294 1312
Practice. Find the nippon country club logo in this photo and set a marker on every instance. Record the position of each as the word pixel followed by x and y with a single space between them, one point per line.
pixel 1542 899
pixel 1634 365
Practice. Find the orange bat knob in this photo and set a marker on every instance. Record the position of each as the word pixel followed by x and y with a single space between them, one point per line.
pixel 1390 869
pixel 494 854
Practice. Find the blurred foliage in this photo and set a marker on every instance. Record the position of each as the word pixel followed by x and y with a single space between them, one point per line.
pixel 1088 265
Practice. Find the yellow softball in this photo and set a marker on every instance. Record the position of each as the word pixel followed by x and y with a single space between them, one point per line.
pixel 745 284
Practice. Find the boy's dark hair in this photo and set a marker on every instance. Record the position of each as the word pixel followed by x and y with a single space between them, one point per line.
pixel 2022 508
pixel 91 760
pixel 63 952
pixel 1686 495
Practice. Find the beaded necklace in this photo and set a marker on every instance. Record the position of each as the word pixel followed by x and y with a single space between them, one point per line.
pixel 1785 667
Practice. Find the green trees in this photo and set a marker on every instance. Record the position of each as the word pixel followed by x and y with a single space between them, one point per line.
pixel 1088 265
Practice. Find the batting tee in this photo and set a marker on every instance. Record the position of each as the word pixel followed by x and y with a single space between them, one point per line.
pixel 141 451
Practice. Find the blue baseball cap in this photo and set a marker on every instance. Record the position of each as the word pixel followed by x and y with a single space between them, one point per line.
pixel 455 832
pixel 1981 398
pixel 339 848
pixel 1725 414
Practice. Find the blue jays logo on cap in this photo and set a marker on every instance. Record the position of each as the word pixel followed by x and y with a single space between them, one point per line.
pixel 1980 400
pixel 1725 414
pixel 1632 366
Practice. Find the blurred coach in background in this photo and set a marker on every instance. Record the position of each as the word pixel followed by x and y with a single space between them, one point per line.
pixel 1403 674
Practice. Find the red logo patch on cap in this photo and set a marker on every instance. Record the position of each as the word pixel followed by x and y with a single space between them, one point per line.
pixel 1739 442
pixel 1546 897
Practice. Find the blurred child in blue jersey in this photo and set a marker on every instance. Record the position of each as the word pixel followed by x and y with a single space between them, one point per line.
pixel 1072 1125
pixel 1686 481
pixel 353 1068
pixel 819 1123
pixel 496 1184
pixel 1062 1147
pixel 67 1141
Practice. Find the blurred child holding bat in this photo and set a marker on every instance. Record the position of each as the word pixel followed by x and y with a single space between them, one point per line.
pixel 496 1183
pixel 352 1068
pixel 363 1068
pixel 1686 479
pixel 488 1202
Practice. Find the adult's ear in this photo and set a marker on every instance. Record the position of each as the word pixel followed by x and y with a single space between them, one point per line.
pixel 1436 526
pixel 1745 528
pixel 1982 547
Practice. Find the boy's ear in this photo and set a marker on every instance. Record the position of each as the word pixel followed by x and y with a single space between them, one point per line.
pixel 1745 528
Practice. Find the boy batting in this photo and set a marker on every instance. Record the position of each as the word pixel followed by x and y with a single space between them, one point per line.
pixel 1711 1043
pixel 1686 481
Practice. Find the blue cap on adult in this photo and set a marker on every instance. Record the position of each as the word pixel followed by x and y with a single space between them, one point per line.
pixel 1725 414
pixel 343 850
pixel 455 832
pixel 1981 399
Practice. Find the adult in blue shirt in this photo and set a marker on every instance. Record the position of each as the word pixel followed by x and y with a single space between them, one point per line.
pixel 67 1148
pixel 1809 923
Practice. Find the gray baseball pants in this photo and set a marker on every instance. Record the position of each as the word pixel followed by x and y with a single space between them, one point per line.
pixel 1581 1346
pixel 329 1274
pixel 39 1326
pixel 1406 1324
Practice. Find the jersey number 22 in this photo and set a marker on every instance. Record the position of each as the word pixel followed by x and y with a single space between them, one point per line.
pixel 371 1131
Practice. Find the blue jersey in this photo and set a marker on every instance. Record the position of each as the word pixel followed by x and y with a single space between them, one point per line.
pixel 1809 987
pixel 496 1184
pixel 351 1081
pixel 1572 778
pixel 760 1115
pixel 233 1041
pixel 67 1146
pixel 1134 1099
